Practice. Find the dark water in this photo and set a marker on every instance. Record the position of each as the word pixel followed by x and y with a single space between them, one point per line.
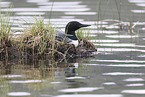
pixel 116 70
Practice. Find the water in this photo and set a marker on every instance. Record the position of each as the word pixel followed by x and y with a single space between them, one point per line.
pixel 116 70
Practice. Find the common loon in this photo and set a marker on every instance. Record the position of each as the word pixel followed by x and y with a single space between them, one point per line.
pixel 69 36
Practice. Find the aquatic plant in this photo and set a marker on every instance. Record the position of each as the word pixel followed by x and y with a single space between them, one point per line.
pixel 5 40
pixel 127 26
pixel 37 38
pixel 81 34
pixel 85 47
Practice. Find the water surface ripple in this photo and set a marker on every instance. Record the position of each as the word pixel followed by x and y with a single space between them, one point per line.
pixel 116 70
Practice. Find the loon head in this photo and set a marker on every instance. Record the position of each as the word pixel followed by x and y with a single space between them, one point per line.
pixel 72 26
pixel 70 29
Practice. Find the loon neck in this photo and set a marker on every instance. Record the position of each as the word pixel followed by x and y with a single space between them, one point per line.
pixel 72 35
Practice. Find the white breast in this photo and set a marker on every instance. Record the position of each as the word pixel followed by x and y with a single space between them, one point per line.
pixel 75 42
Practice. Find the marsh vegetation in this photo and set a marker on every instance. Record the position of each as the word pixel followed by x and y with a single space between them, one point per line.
pixel 38 41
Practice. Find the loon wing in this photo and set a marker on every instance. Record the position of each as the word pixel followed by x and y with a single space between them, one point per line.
pixel 62 37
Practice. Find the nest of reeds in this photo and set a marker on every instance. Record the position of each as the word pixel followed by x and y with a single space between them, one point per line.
pixel 85 48
pixel 4 47
pixel 7 47
pixel 39 41
pixel 46 47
